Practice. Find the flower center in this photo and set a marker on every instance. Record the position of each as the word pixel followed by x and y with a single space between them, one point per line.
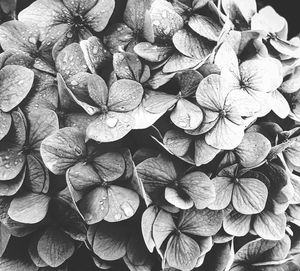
pixel 222 113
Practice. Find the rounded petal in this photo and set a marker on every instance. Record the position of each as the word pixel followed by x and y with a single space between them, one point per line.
pixel 110 127
pixel 63 149
pixel 249 196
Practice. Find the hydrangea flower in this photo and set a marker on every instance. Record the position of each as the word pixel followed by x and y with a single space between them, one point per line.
pixel 66 21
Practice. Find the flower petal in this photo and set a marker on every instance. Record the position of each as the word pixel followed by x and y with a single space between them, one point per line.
pixel 5 123
pixel 163 226
pixel 83 176
pixel 186 115
pixel 98 16
pixel 55 247
pixel 225 135
pixel 15 84
pixel 29 208
pixel 110 127
pixel 182 252
pixel 199 187
pixel 94 205
pixel 237 224
pixel 249 196
pixel 223 189
pixel 159 102
pixel 270 226
pixel 152 53
pixel 261 74
pixel 173 196
pixel 123 203
pixel 63 149
pixel 109 166
pixel 125 95
pixel 192 45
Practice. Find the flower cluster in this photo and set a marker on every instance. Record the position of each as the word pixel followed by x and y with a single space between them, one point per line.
pixel 151 135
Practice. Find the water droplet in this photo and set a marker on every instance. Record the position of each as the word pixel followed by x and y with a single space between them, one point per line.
pixel 21 82
pixel 69 35
pixel 167 30
pixel 127 209
pixel 101 202
pixel 118 216
pixel 112 122
pixel 156 23
pixel 32 40
pixel 95 50
pixel 7 166
pixel 74 83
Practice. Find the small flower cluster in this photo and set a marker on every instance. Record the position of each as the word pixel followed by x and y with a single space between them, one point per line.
pixel 151 135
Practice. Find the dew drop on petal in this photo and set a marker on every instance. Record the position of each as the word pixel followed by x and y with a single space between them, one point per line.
pixel 69 35
pixel 32 40
pixel 118 216
pixel 74 83
pixel 78 151
pixel 127 209
pixel 112 122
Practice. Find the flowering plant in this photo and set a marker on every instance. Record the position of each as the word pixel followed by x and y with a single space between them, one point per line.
pixel 148 135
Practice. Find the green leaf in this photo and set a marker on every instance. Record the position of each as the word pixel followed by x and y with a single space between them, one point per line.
pixel 153 53
pixel 163 226
pixel 192 45
pixel 186 115
pixel 123 203
pixel 124 95
pixel 174 197
pixel 29 208
pixel 237 224
pixel 110 127
pixel 110 166
pixel 203 222
pixel 108 240
pixel 94 205
pixel 249 196
pixel 182 252
pixel 199 188
pixel 5 123
pixel 63 149
pixel 253 149
pixel 147 222
pixel 55 247
pixel 270 226
pixel 15 84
